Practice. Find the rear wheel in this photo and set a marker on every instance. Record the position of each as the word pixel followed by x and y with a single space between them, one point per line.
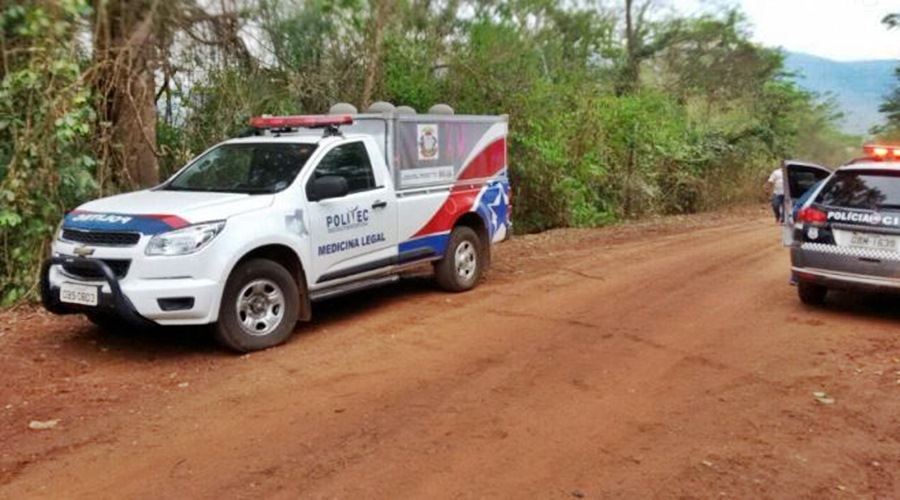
pixel 259 307
pixel 811 293
pixel 463 261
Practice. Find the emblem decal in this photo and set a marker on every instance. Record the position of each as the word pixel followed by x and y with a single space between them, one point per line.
pixel 428 142
pixel 83 251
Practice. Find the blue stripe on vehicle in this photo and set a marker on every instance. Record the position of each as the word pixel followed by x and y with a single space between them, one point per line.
pixel 435 243
pixel 97 221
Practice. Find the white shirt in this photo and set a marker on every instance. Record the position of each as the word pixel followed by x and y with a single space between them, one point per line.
pixel 777 179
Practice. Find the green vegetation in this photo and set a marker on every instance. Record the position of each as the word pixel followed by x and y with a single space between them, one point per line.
pixel 890 131
pixel 616 111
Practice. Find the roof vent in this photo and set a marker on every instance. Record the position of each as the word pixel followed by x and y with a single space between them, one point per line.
pixel 440 109
pixel 342 108
pixel 380 107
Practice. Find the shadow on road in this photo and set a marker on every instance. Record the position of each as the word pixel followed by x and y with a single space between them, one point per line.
pixel 872 305
pixel 181 341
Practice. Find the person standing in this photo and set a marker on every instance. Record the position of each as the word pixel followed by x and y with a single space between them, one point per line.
pixel 777 181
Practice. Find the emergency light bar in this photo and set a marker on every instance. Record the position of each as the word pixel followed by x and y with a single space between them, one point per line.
pixel 301 121
pixel 882 152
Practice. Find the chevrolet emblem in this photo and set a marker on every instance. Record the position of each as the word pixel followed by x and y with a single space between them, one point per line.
pixel 83 251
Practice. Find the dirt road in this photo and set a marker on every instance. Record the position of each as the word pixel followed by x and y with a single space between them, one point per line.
pixel 663 359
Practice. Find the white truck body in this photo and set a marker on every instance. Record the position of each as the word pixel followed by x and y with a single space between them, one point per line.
pixel 120 256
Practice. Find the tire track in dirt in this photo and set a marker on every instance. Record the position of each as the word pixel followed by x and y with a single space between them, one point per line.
pixel 666 363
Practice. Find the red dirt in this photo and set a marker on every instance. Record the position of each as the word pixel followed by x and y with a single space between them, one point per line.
pixel 661 359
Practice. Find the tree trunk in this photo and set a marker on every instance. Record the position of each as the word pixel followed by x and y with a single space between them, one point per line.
pixel 381 11
pixel 630 76
pixel 124 53
pixel 628 83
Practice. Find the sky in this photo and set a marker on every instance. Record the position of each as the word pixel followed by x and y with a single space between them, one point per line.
pixel 842 30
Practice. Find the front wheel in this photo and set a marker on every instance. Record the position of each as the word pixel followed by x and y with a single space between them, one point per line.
pixel 259 307
pixel 811 293
pixel 461 266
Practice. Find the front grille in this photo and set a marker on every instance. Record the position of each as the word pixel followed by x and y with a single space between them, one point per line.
pixel 119 268
pixel 102 238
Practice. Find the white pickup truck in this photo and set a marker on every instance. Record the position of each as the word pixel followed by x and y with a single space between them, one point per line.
pixel 252 231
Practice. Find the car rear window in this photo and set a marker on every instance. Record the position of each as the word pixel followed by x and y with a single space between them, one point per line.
pixel 864 189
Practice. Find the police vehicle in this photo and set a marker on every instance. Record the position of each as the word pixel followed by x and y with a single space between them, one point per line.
pixel 844 231
pixel 255 229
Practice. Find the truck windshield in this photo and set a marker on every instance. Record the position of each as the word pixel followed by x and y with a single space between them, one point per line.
pixel 244 168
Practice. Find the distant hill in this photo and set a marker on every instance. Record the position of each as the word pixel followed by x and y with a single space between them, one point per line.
pixel 859 86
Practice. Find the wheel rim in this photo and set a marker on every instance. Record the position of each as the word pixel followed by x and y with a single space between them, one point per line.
pixel 260 307
pixel 466 260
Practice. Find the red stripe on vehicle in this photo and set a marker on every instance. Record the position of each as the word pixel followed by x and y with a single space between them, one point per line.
pixel 173 221
pixel 461 200
pixel 486 164
pixel 490 161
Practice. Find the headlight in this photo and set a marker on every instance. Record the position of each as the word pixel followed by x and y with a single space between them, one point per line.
pixel 185 240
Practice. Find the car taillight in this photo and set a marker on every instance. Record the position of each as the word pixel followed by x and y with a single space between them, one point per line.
pixel 812 215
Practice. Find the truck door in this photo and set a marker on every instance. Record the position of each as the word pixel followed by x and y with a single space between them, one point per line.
pixel 799 178
pixel 354 231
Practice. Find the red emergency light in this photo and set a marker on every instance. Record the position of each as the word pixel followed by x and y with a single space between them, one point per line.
pixel 301 121
pixel 882 152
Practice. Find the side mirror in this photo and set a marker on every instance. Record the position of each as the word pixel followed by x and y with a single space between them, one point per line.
pixel 327 186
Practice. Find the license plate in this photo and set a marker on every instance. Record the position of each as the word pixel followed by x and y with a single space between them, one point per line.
pixel 78 294
pixel 874 241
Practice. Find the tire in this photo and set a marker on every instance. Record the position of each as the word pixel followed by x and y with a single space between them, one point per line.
pixel 463 261
pixel 811 294
pixel 259 307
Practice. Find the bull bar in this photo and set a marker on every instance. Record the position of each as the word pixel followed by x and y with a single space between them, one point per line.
pixel 118 303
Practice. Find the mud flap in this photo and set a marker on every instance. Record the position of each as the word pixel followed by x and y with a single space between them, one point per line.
pixel 787 232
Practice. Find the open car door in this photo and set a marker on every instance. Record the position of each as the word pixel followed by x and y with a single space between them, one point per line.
pixel 799 178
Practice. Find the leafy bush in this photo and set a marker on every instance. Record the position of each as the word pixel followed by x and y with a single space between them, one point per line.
pixel 46 117
pixel 686 115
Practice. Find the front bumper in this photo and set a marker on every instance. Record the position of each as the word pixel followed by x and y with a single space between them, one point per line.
pixel 114 302
pixel 140 301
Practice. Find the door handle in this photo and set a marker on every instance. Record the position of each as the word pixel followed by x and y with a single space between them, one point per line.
pixel 379 204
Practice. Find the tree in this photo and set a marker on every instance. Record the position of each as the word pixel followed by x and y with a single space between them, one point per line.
pixel 891 105
pixel 643 39
pixel 713 58
pixel 133 44
pixel 46 164
pixel 381 11
pixel 124 39
pixel 614 112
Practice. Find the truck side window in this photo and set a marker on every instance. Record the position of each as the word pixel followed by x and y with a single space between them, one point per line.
pixel 350 161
